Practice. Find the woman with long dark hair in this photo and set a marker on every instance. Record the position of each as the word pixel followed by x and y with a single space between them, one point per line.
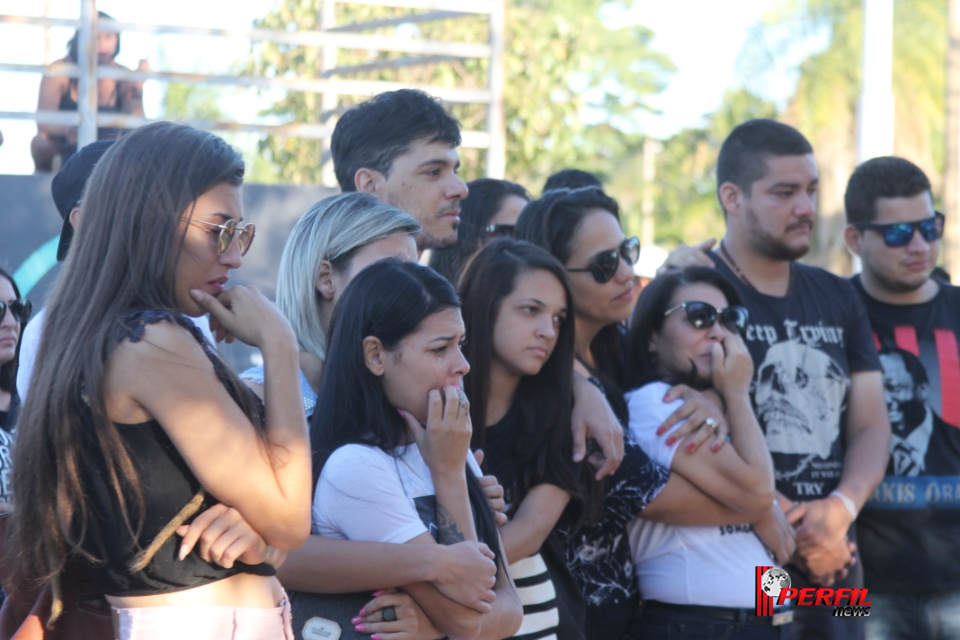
pixel 59 93
pixel 687 328
pixel 520 343
pixel 491 211
pixel 134 425
pixel 391 432
pixel 581 228
pixel 14 313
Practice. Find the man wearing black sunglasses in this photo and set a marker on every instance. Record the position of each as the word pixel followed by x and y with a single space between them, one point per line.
pixel 894 229
pixel 818 389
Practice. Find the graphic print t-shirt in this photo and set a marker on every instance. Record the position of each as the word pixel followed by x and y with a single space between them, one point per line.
pixel 804 347
pixel 909 530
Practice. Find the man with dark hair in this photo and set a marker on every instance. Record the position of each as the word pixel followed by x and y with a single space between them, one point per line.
pixel 817 389
pixel 909 531
pixel 401 146
pixel 571 179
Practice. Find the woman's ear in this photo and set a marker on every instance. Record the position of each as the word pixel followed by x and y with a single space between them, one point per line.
pixel 374 355
pixel 325 286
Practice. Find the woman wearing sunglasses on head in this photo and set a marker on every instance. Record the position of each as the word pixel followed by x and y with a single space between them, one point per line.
pixel 490 211
pixel 687 328
pixel 148 427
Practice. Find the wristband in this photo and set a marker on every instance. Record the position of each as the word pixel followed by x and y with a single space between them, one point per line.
pixel 847 502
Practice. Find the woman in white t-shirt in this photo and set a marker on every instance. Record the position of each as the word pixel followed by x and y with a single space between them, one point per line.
pixel 391 434
pixel 687 328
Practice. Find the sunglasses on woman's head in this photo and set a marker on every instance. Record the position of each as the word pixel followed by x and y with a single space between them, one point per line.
pixel 20 309
pixel 703 316
pixel 500 230
pixel 228 230
pixel 899 234
pixel 604 265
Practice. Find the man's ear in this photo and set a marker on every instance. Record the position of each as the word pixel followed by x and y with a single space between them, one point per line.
pixel 368 180
pixel 374 355
pixel 74 217
pixel 731 198
pixel 851 235
pixel 324 284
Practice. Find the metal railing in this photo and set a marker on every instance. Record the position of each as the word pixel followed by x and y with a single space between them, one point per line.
pixel 331 85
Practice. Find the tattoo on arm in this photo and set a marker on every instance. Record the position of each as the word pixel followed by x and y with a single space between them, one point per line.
pixel 449 532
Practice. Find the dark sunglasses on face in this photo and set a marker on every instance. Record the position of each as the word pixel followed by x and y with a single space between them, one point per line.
pixel 500 230
pixel 604 265
pixel 228 230
pixel 899 234
pixel 20 309
pixel 703 316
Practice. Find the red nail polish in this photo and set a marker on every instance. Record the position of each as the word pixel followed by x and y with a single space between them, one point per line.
pixel 691 447
pixel 671 440
pixel 660 431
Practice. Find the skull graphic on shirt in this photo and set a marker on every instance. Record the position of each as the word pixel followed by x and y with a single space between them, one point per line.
pixel 799 393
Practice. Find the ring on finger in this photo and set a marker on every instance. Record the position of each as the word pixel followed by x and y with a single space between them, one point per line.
pixel 389 613
pixel 710 422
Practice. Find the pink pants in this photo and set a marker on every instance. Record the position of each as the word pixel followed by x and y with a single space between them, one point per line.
pixel 203 623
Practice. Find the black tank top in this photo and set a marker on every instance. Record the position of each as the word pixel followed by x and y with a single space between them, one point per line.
pixel 167 485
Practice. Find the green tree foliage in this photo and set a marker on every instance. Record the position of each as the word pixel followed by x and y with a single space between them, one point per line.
pixel 573 83
pixel 824 105
pixel 685 188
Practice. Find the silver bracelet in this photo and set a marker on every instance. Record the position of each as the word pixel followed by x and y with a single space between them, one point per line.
pixel 847 502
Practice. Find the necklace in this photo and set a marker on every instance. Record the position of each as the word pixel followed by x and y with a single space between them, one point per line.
pixel 733 265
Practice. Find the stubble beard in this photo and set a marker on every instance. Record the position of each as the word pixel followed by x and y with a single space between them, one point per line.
pixel 768 246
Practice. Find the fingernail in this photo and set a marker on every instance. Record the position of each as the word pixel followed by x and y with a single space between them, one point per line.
pixel 671 440
pixel 195 294
pixel 362 613
pixel 400 411
pixel 183 552
pixel 356 620
pixel 379 593
pixel 691 447
pixel 360 627
pixel 715 447
pixel 375 636
pixel 660 431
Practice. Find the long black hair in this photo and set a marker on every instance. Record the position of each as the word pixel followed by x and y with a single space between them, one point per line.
pixel 8 371
pixel 73 47
pixel 553 222
pixel 544 446
pixel 648 318
pixel 486 197
pixel 387 300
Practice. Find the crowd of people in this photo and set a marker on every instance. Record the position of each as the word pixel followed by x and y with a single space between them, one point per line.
pixel 505 443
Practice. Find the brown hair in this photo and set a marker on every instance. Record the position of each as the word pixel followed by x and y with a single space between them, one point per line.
pixel 123 259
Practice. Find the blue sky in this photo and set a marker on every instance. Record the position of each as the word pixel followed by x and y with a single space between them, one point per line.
pixel 702 37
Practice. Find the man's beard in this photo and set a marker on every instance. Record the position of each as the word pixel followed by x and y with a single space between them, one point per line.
pixel 768 246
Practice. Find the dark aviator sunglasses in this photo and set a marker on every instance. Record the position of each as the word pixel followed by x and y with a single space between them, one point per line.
pixel 21 309
pixel 703 316
pixel 604 265
pixel 899 234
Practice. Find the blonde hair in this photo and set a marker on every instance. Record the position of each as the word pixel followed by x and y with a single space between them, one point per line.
pixel 332 229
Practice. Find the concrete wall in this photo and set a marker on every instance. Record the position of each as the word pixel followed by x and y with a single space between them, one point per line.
pixel 30 224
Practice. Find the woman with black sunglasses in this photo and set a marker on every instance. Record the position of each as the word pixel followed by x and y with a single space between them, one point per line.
pixel 14 313
pixel 687 328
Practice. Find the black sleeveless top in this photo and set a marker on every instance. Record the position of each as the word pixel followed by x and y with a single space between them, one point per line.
pixel 167 485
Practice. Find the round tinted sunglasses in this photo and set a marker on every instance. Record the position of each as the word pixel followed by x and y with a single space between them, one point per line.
pixel 604 265
pixel 228 230
pixel 703 316
pixel 21 310
pixel 899 234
